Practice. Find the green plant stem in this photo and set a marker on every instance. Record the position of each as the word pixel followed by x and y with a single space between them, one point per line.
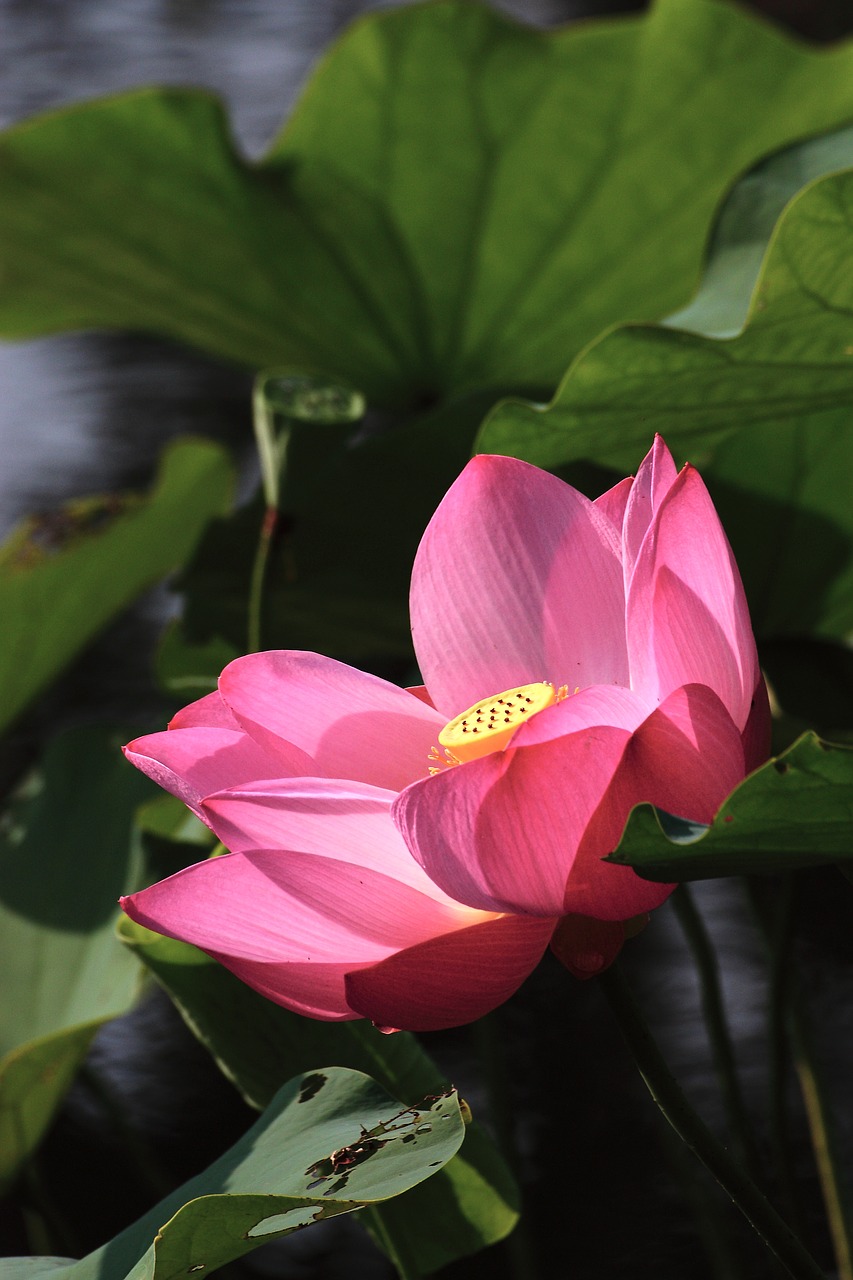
pixel 824 1143
pixel 669 1097
pixel 269 449
pixel 789 1021
pixel 259 574
pixel 713 1012
pixel 710 1212
pixel 272 450
pixel 777 937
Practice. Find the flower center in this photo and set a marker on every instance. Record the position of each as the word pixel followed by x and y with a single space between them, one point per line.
pixel 489 725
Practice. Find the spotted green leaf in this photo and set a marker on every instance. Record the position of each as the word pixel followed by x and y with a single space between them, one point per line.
pixel 330 1142
pixel 796 811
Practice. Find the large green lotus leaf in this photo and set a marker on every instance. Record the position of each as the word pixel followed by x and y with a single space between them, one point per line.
pixel 330 1142
pixel 458 200
pixel 744 228
pixel 796 811
pixel 765 414
pixel 34 1078
pixel 793 356
pixel 257 1042
pixel 65 857
pixel 783 495
pixel 63 576
pixel 32 1268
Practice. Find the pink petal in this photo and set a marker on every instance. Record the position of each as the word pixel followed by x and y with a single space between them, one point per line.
pixel 525 829
pixel 612 503
pixel 689 753
pixel 209 712
pixel 451 979
pixel 353 724
pixel 654 479
pixel 191 763
pixel 501 833
pixel 756 735
pixel 685 759
pixel 517 579
pixel 688 621
pixel 349 821
pixel 292 925
pixel 585 946
pixel 421 691
pixel 600 704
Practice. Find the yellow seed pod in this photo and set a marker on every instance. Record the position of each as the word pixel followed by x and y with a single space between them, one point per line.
pixel 489 725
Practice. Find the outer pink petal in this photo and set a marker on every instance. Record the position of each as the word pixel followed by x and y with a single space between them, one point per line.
pixel 586 946
pixel 191 763
pixel 349 821
pixel 451 979
pixel 501 833
pixel 654 479
pixel 517 578
pixel 353 724
pixel 756 735
pixel 688 755
pixel 612 503
pixel 601 704
pixel 685 759
pixel 209 712
pixel 688 620
pixel 421 691
pixel 525 830
pixel 292 925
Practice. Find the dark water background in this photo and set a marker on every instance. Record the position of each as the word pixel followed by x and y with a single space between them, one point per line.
pixel 605 1189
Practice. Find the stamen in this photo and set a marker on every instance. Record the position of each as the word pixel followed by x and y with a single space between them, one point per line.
pixel 441 760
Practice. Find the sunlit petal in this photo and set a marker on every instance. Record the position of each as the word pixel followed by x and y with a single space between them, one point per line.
pixel 191 763
pixel 688 620
pixel 453 978
pixel 353 724
pixel 517 579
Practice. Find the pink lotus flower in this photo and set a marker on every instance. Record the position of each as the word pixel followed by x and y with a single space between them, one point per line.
pixel 407 856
